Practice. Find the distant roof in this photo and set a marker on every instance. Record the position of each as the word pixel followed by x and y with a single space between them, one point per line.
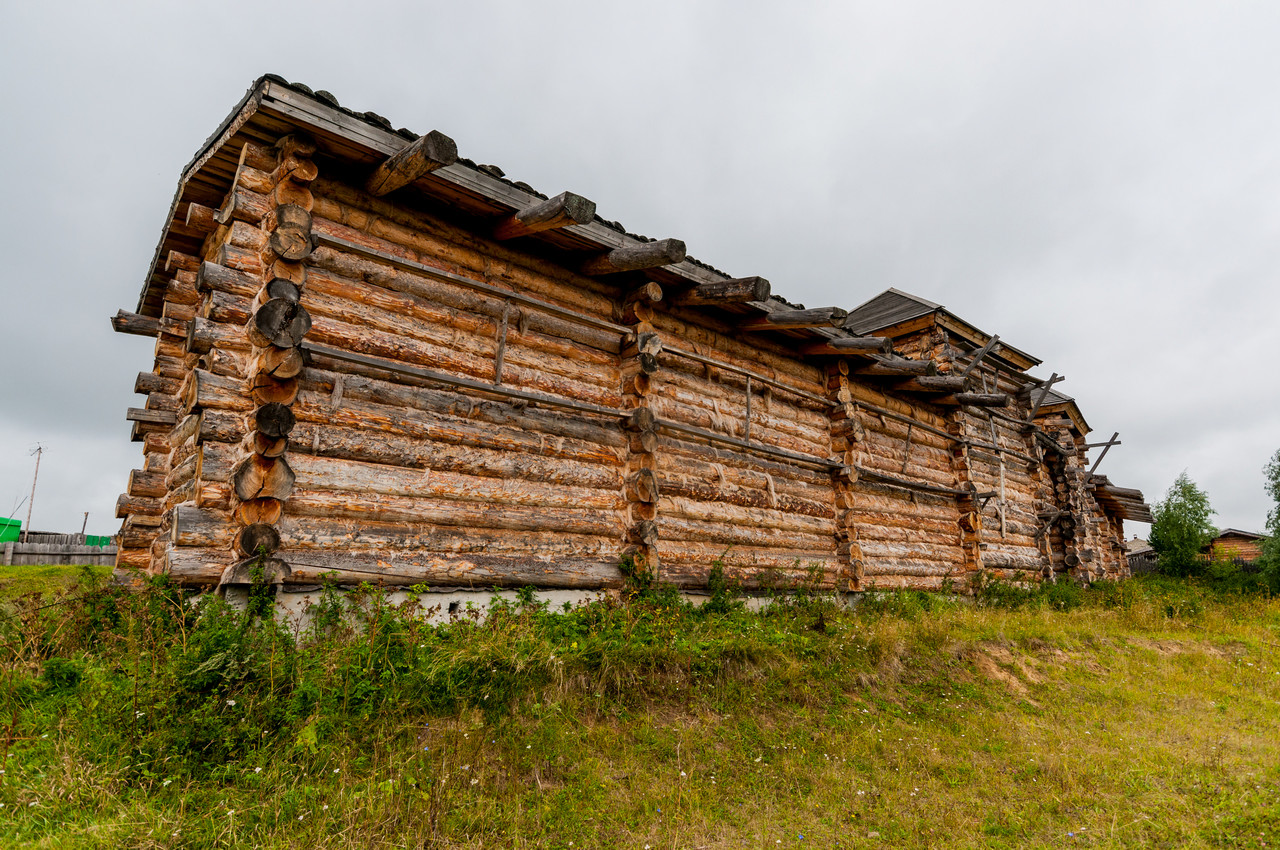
pixel 894 307
pixel 891 307
pixel 1236 532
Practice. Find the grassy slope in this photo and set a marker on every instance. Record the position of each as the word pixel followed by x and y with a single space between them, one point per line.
pixel 1148 717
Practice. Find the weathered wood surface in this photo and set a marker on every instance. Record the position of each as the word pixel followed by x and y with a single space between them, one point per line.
pixel 733 291
pixel 817 317
pixel 644 255
pixel 419 157
pixel 19 553
pixel 561 211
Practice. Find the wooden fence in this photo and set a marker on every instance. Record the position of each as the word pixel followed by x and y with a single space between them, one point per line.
pixel 59 553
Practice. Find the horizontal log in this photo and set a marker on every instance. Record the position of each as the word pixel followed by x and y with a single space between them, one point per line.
pixel 151 417
pixel 668 349
pixel 356 444
pixel 243 204
pixel 561 211
pixel 887 366
pixel 149 382
pixel 128 505
pixel 400 569
pixel 642 255
pixel 201 218
pixel 196 567
pixel 672 527
pixel 782 454
pixel 381 323
pixel 699 489
pixel 735 291
pixel 206 390
pixel 360 478
pixel 421 156
pixel 395 368
pixel 124 322
pixel 146 484
pixel 933 384
pixel 849 346
pixel 873 475
pixel 974 399
pixel 816 317
pixel 384 507
pixel 205 334
pixel 755 517
pixel 330 241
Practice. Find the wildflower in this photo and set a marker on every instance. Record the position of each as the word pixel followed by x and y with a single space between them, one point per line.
pixel 326 807
pixel 475 781
pixel 257 770
pixel 682 773
pixel 299 817
pixel 166 783
pixel 335 770
pixel 231 703
pixel 45 735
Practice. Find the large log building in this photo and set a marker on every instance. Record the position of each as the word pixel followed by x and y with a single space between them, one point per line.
pixel 380 361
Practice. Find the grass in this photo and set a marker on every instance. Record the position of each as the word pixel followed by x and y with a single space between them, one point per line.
pixel 1145 714
pixel 48 579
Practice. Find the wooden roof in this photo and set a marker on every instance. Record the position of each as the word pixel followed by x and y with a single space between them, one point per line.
pixel 894 312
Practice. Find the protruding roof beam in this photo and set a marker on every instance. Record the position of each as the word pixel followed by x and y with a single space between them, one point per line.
pixel 933 384
pixel 975 399
pixel 629 258
pixel 844 346
pixel 780 320
pixel 899 367
pixel 429 152
pixel 561 211
pixel 737 290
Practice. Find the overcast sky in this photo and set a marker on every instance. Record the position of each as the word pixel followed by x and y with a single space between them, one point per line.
pixel 1098 183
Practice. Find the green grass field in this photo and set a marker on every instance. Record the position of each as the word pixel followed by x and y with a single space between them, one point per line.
pixel 44 578
pixel 1139 715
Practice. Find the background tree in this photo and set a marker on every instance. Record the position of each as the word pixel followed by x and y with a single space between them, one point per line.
pixel 1270 560
pixel 1182 528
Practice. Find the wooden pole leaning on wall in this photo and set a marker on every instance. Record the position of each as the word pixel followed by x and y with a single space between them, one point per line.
pixel 426 154
pixel 563 210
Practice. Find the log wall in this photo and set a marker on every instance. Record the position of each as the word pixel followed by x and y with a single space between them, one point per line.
pixel 372 393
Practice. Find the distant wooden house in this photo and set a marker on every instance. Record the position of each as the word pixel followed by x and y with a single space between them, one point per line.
pixel 378 361
pixel 1235 544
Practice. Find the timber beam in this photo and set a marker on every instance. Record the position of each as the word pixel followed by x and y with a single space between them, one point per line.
pixel 933 384
pixel 781 320
pixel 429 152
pixel 866 346
pixel 734 291
pixel 629 258
pixel 561 211
pixel 899 367
pixel 974 399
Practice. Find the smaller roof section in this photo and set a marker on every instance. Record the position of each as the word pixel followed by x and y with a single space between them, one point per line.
pixel 895 312
pixel 1247 535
